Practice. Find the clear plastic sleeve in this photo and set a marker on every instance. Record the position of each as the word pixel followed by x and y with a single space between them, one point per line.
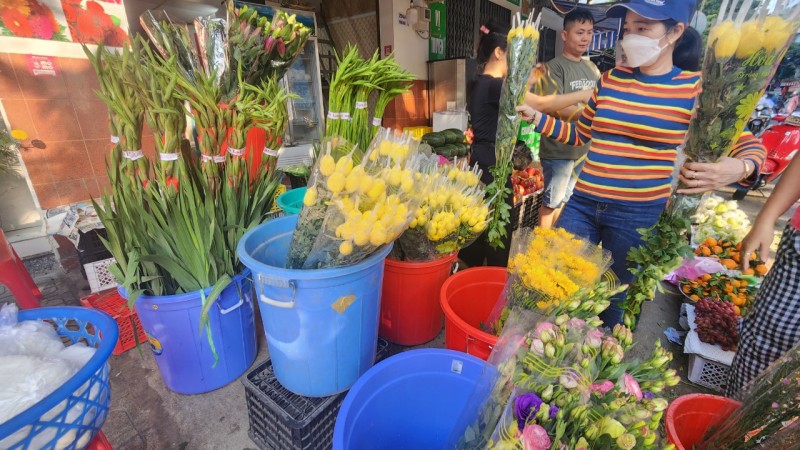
pixel 562 382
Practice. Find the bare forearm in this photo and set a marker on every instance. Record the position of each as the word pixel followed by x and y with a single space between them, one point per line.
pixel 571 113
pixel 550 104
pixel 785 194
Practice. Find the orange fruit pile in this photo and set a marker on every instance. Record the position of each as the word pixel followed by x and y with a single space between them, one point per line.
pixel 721 287
pixel 729 255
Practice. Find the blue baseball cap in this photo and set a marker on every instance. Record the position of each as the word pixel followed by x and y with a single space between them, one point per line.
pixel 677 10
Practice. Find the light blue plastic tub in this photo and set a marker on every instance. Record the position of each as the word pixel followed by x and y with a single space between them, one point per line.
pixel 409 401
pixel 291 201
pixel 321 325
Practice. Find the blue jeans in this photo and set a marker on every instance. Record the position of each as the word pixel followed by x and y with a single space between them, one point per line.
pixel 559 180
pixel 614 225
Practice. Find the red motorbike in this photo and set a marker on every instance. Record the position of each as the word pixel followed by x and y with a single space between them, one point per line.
pixel 782 141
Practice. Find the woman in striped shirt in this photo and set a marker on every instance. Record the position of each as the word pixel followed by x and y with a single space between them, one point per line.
pixel 636 119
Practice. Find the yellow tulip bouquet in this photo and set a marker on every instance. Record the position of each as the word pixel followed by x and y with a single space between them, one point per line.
pixel 745 46
pixel 551 269
pixel 523 46
pixel 452 213
pixel 351 209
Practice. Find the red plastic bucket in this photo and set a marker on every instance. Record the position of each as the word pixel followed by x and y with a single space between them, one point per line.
pixel 410 309
pixel 690 416
pixel 468 298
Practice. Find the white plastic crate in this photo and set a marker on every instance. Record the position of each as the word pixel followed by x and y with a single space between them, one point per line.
pixel 98 275
pixel 708 373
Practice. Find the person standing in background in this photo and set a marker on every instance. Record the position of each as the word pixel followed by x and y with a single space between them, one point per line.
pixel 561 163
pixel 484 106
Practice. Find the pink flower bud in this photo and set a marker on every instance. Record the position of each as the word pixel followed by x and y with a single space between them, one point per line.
pixel 631 386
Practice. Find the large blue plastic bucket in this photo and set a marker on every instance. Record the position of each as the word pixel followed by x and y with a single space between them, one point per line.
pixel 411 400
pixel 181 349
pixel 321 325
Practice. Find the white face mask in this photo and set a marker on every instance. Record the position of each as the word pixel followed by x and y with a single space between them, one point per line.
pixel 641 50
pixel 621 60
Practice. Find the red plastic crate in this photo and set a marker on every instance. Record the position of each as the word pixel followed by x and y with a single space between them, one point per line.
pixel 117 307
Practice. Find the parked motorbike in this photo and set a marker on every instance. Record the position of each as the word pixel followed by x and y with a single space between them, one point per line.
pixel 782 141
pixel 759 119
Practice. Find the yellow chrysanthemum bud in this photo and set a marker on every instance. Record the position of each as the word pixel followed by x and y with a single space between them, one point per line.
pixel 776 32
pixel 336 182
pixel 311 196
pixel 377 236
pixel 344 165
pixel 327 165
pixel 352 182
pixel 725 39
pixel 751 40
pixel 346 248
pixel 361 238
pixel 528 32
pixel 377 190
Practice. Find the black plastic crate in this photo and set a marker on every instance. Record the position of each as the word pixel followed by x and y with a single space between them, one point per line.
pixel 525 214
pixel 282 420
pixel 91 248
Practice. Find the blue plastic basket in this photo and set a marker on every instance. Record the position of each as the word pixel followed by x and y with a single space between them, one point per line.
pixel 71 415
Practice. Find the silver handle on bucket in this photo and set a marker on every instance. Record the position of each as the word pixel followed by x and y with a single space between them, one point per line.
pixel 278 304
pixel 469 339
pixel 227 310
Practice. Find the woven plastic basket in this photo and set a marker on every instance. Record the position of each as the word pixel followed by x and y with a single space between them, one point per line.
pixel 70 417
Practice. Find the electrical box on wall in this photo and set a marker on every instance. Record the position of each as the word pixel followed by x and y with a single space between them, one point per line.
pixel 424 19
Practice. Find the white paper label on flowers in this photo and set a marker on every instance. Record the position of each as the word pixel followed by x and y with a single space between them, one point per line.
pixel 133 155
pixel 345 116
pixel 376 121
pixel 219 159
pixel 270 152
pixel 333 115
pixel 236 151
pixel 114 139
pixel 168 156
pixel 361 105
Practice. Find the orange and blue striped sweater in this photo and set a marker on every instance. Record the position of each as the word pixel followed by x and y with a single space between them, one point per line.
pixel 635 123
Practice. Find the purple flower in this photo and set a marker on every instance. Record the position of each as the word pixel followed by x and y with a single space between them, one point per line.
pixel 648 395
pixel 553 412
pixel 525 406
pixel 534 437
pixel 775 405
pixel 631 386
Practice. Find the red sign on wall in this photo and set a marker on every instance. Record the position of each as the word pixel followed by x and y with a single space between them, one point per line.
pixel 387 50
pixel 41 66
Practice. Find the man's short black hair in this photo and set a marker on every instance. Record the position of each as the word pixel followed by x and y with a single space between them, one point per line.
pixel 579 15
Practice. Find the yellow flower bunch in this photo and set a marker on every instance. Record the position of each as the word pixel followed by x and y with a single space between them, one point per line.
pixel 745 39
pixel 451 213
pixel 556 264
pixel 524 31
pixel 365 205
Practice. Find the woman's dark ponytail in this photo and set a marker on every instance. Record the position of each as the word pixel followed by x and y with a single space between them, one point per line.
pixel 687 51
pixel 493 34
